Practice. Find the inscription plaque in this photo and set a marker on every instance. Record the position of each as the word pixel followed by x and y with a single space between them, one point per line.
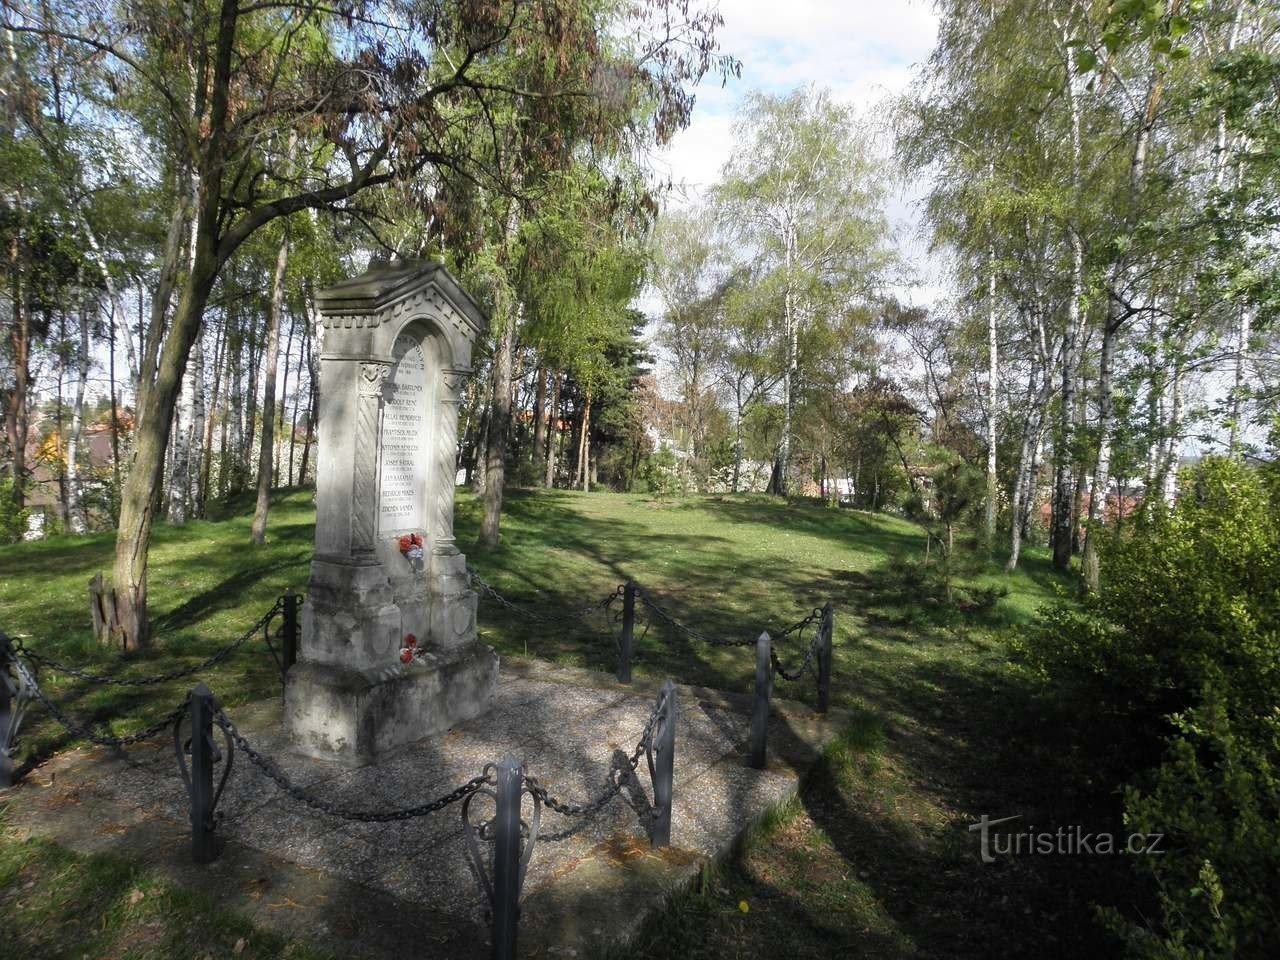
pixel 406 449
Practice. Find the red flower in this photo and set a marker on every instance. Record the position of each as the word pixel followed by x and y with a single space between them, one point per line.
pixel 410 640
pixel 406 655
pixel 408 541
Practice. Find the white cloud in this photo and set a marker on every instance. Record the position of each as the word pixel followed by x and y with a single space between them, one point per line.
pixel 863 51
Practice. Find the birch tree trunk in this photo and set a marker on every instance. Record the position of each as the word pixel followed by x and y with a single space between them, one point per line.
pixel 584 429
pixel 737 436
pixel 1173 442
pixel 206 452
pixel 115 422
pixel 779 485
pixel 114 297
pixel 312 394
pixel 230 474
pixel 75 493
pixel 59 435
pixel 280 408
pixel 17 420
pixel 1239 390
pixel 259 530
pixel 993 397
pixel 191 400
pixel 553 432
pixel 1023 492
pixel 539 416
pixel 1065 444
pixel 1102 469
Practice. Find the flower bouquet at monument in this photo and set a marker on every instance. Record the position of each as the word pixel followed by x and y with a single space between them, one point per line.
pixel 411 546
pixel 410 648
pixel 411 549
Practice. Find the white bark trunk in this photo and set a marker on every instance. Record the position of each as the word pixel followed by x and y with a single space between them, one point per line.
pixel 1239 391
pixel 993 396
pixel 270 362
pixel 75 492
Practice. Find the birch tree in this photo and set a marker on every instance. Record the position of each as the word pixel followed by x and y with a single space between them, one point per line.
pixel 803 194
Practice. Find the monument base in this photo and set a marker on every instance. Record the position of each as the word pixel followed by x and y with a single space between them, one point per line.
pixel 333 713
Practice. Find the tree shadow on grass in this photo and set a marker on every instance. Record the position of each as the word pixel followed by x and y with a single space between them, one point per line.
pixel 226 595
pixel 931 881
pixel 842 527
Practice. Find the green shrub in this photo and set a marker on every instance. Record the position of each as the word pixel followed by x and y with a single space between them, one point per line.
pixel 660 474
pixel 13 521
pixel 1169 681
pixel 1216 798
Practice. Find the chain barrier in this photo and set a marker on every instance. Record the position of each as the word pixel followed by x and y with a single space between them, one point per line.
pixel 688 631
pixel 28 688
pixel 617 778
pixel 273 772
pixel 579 614
pixel 106 680
pixel 84 731
pixel 809 653
pixel 664 615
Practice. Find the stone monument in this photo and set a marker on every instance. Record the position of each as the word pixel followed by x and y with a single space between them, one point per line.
pixel 395 351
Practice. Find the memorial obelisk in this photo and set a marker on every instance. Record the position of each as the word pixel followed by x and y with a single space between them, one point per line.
pixel 395 352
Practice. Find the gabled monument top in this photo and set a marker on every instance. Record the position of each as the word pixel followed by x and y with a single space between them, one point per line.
pixel 387 281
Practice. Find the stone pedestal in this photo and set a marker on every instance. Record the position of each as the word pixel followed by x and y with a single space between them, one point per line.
pixel 395 351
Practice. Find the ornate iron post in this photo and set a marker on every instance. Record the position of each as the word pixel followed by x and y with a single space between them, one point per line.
pixel 198 775
pixel 628 632
pixel 662 769
pixel 760 711
pixel 824 657
pixel 507 869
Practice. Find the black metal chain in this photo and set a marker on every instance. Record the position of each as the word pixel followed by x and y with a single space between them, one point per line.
pixel 810 651
pixel 273 772
pixel 84 731
pixel 592 807
pixel 688 631
pixel 216 658
pixel 579 614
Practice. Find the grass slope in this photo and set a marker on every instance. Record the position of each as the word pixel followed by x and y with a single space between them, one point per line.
pixel 872 859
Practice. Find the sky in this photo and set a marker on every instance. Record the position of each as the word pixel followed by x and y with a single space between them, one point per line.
pixel 864 51
pixel 861 50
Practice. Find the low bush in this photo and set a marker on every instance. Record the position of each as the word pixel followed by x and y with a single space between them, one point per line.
pixel 13 520
pixel 1170 680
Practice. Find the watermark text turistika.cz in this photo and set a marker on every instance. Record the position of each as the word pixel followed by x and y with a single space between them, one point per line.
pixel 1068 841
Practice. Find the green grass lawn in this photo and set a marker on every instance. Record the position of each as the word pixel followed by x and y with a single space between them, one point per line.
pixel 872 858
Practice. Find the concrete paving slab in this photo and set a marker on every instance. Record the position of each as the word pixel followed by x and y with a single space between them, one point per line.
pixel 359 886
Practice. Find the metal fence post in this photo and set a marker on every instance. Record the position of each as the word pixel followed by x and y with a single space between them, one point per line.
pixel 764 689
pixel 824 657
pixel 506 858
pixel 628 632
pixel 201 788
pixel 664 769
pixel 289 643
pixel 9 717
